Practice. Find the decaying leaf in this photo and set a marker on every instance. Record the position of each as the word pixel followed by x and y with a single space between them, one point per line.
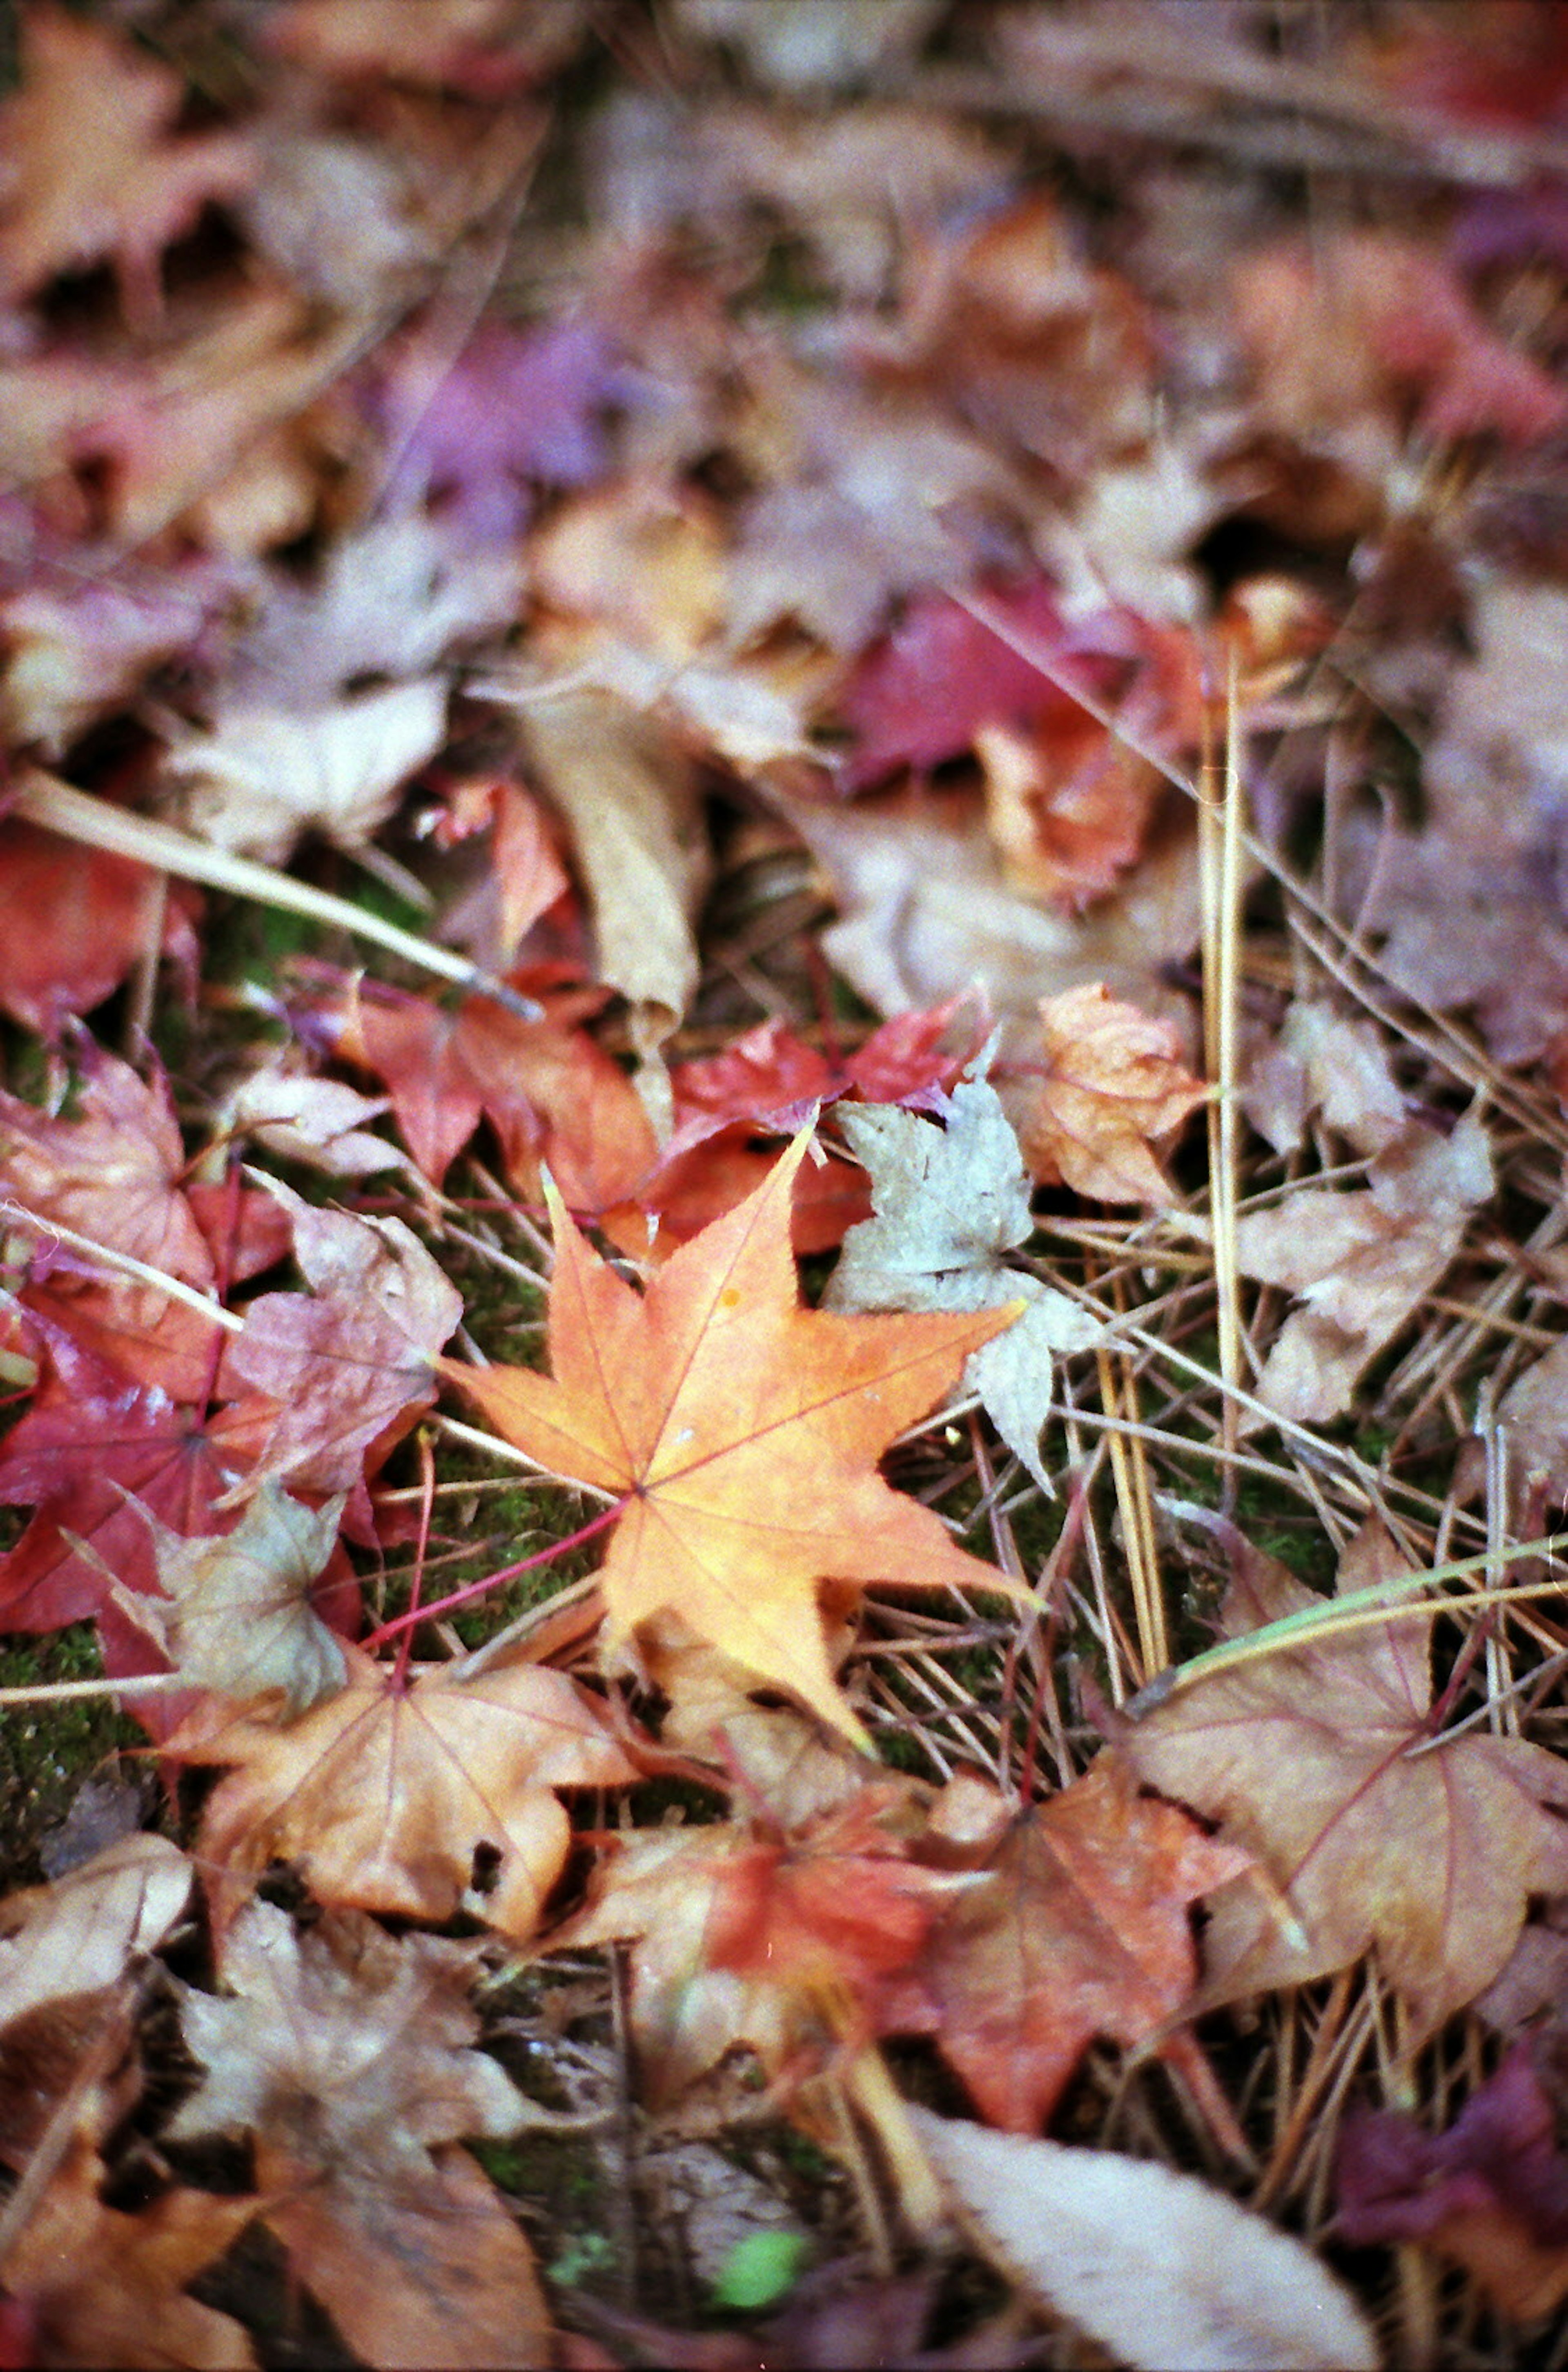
pixel 949 1204
pixel 353 1363
pixel 241 1622
pixel 1165 2271
pixel 742 1431
pixel 1361 1261
pixel 1319 1762
pixel 385 1792
pixel 1110 1085
pixel 349 2055
pixel 1490 2192
pixel 629 799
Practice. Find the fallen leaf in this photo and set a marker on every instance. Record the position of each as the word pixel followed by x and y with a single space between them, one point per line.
pixel 261 777
pixel 95 2285
pixel 1163 2270
pixel 552 1095
pixel 352 1364
pixel 1361 1261
pixel 241 1622
pixel 73 922
pixel 925 912
pixel 349 2054
pixel 1490 2193
pixel 949 1204
pixel 1110 1085
pixel 384 1794
pixel 629 799
pixel 80 1934
pixel 741 1430
pixel 315 1121
pixel 92 167
pixel 1080 1929
pixel 90 1439
pixel 1308 1760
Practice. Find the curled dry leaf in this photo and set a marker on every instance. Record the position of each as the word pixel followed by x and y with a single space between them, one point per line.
pixel 1165 2271
pixel 949 1205
pixel 741 1431
pixel 385 1792
pixel 1361 1261
pixel 349 2054
pixel 1309 1759
pixel 1109 1087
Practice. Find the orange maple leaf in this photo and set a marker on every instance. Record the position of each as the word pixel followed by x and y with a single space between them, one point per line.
pixel 742 1431
pixel 1112 1086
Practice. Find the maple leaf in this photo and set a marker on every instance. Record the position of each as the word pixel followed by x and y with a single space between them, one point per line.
pixel 1079 1929
pixel 89 1438
pixel 740 1430
pixel 383 1794
pixel 1306 1758
pixel 550 1092
pixel 1361 1261
pixel 743 1935
pixel 242 1622
pixel 94 2285
pixel 349 2054
pixel 263 775
pixel 73 922
pixel 351 1365
pixel 113 1172
pixel 1111 1085
pixel 80 1934
pixel 91 169
pixel 1492 2191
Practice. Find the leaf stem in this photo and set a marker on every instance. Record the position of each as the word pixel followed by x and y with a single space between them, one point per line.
pixel 418 1615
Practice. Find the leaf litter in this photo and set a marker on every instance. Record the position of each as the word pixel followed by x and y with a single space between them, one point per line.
pixel 947 624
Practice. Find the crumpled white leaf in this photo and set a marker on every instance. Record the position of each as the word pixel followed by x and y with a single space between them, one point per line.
pixel 78 1934
pixel 1165 2271
pixel 948 1203
pixel 240 1621
pixel 1361 1261
pixel 264 774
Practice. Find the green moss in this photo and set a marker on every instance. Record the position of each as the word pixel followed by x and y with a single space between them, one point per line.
pixel 48 1749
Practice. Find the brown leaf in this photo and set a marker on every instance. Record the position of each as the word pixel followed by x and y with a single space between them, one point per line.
pixel 349 2054
pixel 1080 1928
pixel 97 2286
pixel 1112 1086
pixel 741 1430
pixel 1307 1758
pixel 384 1793
pixel 81 1933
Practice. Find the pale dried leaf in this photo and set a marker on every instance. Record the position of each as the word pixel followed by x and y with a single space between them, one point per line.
pixel 1361 1261
pixel 241 1622
pixel 318 1123
pixel 631 804
pixel 949 1205
pixel 1165 2271
pixel 78 1934
pixel 263 775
